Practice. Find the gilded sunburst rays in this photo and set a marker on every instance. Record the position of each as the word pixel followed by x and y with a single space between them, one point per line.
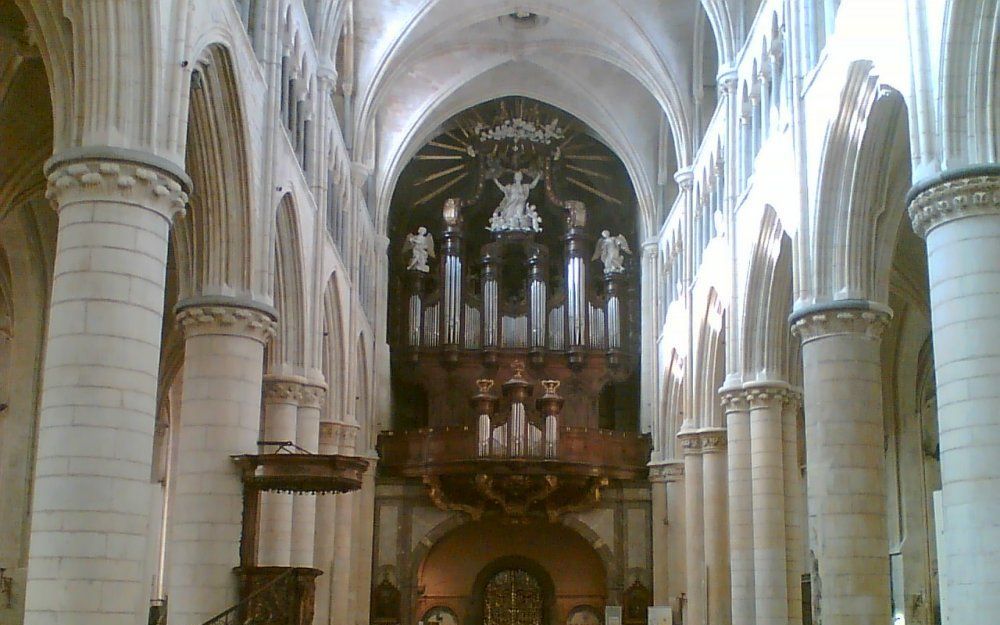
pixel 514 134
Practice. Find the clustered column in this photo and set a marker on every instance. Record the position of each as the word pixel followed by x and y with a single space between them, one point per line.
pixel 844 445
pixel 91 496
pixel 958 213
pixel 220 417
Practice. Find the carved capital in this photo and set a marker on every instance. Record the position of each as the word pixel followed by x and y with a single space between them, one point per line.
pixel 338 435
pixel 733 400
pixel 282 390
pixel 793 399
pixel 967 196
pixel 313 395
pixel 764 396
pixel 713 440
pixel 706 440
pixel 226 320
pixel 120 181
pixel 666 471
pixel 830 320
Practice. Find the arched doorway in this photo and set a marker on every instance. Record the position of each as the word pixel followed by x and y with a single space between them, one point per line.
pixel 512 597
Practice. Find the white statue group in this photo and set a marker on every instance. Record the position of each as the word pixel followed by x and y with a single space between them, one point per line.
pixel 515 213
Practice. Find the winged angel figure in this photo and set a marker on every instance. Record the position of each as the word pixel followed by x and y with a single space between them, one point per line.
pixel 609 250
pixel 420 246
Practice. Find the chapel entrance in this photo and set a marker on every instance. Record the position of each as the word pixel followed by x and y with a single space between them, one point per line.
pixel 512 597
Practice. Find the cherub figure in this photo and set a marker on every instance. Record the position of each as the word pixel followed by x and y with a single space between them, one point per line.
pixel 420 245
pixel 609 251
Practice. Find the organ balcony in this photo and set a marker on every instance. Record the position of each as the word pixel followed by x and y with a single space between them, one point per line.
pixel 512 460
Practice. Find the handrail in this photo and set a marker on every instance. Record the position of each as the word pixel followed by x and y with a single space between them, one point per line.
pixel 223 617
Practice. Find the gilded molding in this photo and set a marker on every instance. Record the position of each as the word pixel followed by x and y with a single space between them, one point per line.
pixel 105 180
pixel 867 322
pixel 226 320
pixel 953 199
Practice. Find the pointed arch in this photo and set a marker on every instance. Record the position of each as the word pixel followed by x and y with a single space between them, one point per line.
pixel 970 89
pixel 858 208
pixel 335 353
pixel 289 346
pixel 213 240
pixel 672 408
pixel 710 364
pixel 767 304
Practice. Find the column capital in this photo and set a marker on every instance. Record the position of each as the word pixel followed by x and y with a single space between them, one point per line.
pixel 339 434
pixel 684 178
pixel 713 440
pixel 705 440
pixel 279 389
pixel 313 395
pixel 733 399
pixel 118 175
pixel 760 395
pixel 666 471
pixel 965 192
pixel 841 317
pixel 727 79
pixel 213 316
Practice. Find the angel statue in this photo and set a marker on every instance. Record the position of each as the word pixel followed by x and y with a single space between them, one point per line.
pixel 514 212
pixel 609 250
pixel 421 247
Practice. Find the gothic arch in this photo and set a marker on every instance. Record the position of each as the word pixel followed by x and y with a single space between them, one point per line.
pixel 672 409
pixel 859 201
pixel 767 303
pixel 213 240
pixel 970 84
pixel 709 363
pixel 289 344
pixel 335 353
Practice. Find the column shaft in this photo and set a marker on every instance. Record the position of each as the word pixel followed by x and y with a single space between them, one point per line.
pixel 220 417
pixel 715 476
pixel 659 532
pixel 696 609
pixel 740 507
pixel 325 530
pixel 846 473
pixel 304 506
pixel 90 503
pixel 794 506
pixel 281 399
pixel 770 573
pixel 960 219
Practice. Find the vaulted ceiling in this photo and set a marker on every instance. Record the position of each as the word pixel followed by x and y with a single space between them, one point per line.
pixel 624 67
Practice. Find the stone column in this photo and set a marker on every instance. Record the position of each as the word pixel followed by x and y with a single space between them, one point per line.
pixel 91 496
pixel 696 609
pixel 667 518
pixel 304 506
pixel 794 504
pixel 846 473
pixel 330 435
pixel 767 471
pixel 659 533
pixel 220 417
pixel 676 535
pixel 716 477
pixel 281 399
pixel 740 505
pixel 958 213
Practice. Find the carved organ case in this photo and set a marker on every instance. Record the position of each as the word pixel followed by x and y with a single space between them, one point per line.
pixel 511 233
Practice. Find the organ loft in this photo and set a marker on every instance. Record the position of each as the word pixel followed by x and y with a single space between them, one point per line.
pixel 514 362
